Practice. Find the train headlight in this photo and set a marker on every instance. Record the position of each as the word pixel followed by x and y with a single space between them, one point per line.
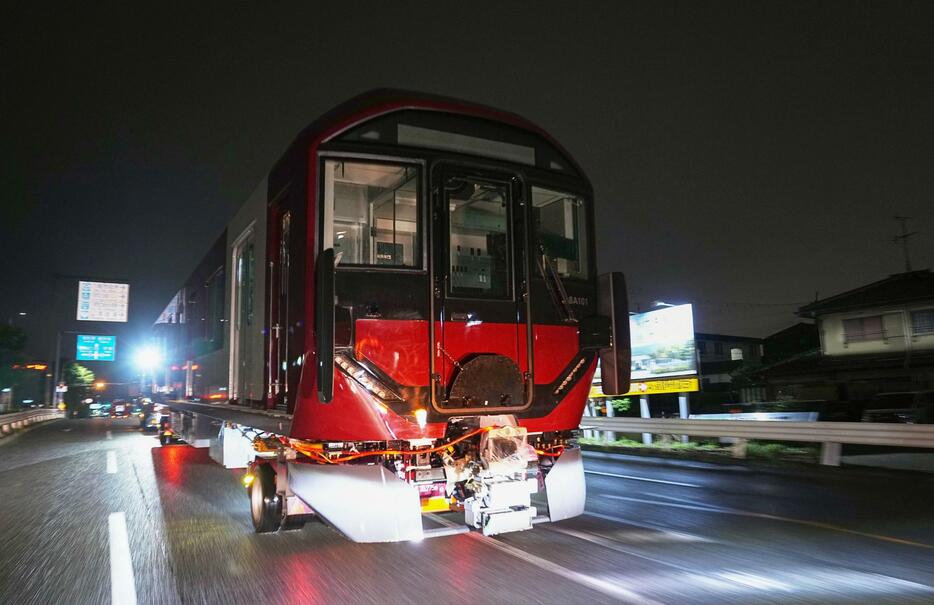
pixel 421 416
pixel 364 377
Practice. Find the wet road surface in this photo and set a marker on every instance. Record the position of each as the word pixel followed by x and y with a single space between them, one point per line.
pixel 93 511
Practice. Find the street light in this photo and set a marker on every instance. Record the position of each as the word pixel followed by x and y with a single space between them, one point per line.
pixel 9 320
pixel 147 358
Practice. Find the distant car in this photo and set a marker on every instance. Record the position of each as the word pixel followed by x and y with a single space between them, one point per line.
pixel 914 407
pixel 120 410
pixel 151 422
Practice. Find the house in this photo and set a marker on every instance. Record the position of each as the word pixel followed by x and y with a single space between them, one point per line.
pixel 873 339
pixel 721 354
pixel 793 340
pixel 893 316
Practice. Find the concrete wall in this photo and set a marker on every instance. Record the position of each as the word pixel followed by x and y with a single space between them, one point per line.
pixel 896 322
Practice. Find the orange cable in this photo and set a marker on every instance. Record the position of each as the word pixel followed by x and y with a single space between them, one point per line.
pixel 321 456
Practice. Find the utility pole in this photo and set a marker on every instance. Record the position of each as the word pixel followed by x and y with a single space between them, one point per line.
pixel 904 239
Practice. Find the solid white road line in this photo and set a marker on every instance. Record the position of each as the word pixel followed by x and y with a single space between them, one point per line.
pixel 122 583
pixel 745 513
pixel 110 435
pixel 631 477
pixel 111 462
pixel 600 585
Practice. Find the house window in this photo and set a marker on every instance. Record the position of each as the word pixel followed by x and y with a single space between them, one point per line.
pixel 736 354
pixel 718 348
pixel 861 329
pixel 922 322
pixel 702 347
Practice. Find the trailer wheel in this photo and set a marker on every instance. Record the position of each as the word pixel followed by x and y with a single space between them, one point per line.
pixel 265 504
pixel 293 522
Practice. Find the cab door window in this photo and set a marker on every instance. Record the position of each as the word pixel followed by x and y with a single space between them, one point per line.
pixel 479 238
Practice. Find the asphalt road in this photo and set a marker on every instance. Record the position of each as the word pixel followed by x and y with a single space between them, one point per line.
pixel 92 511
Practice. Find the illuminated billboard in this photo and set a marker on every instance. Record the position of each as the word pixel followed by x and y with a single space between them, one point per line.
pixel 102 301
pixel 95 347
pixel 663 344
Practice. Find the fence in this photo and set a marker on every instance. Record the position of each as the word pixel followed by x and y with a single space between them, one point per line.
pixel 830 434
pixel 10 423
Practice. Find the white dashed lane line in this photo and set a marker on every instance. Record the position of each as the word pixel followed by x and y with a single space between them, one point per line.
pixel 111 462
pixel 634 478
pixel 122 582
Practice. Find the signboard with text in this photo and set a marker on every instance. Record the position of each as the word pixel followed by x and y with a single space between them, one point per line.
pixel 664 359
pixel 103 301
pixel 95 347
pixel 663 343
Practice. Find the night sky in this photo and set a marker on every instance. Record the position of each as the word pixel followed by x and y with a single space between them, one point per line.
pixel 744 156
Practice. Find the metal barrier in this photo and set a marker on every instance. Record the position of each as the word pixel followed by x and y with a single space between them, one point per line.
pixel 830 434
pixel 18 420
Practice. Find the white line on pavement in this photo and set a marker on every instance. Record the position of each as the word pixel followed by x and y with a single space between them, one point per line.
pixel 111 462
pixel 110 435
pixel 122 583
pixel 678 535
pixel 678 483
pixel 600 585
pixel 770 517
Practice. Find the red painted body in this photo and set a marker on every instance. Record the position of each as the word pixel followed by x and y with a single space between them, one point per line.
pixel 401 347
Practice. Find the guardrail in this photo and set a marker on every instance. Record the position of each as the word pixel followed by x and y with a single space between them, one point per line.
pixel 830 434
pixel 17 420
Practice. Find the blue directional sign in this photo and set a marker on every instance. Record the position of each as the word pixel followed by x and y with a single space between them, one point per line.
pixel 94 347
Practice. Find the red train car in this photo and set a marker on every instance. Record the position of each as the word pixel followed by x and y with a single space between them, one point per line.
pixel 414 284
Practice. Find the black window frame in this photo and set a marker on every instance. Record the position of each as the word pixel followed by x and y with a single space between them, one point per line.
pixel 389 159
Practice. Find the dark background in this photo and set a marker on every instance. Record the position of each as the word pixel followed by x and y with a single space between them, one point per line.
pixel 745 156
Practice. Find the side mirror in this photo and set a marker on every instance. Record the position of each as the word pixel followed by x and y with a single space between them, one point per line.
pixel 324 324
pixel 615 360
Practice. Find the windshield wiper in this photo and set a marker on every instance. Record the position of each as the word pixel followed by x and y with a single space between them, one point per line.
pixel 559 295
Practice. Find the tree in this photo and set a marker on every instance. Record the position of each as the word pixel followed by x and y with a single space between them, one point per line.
pixel 12 341
pixel 79 380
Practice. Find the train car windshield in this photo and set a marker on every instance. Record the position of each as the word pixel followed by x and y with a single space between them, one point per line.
pixel 561 231
pixel 372 213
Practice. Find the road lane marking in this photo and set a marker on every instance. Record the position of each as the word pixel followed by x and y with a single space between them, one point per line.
pixel 673 533
pixel 606 587
pixel 111 462
pixel 746 513
pixel 633 478
pixel 110 435
pixel 122 583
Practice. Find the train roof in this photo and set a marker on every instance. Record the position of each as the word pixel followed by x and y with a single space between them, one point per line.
pixel 380 102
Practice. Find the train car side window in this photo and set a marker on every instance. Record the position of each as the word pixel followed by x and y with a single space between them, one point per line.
pixel 371 213
pixel 561 230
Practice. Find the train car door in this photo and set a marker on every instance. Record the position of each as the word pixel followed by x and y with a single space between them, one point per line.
pixel 279 279
pixel 481 352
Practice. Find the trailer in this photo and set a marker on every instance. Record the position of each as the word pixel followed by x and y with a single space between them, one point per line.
pixel 403 319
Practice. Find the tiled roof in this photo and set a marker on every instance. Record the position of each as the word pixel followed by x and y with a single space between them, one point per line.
pixel 899 288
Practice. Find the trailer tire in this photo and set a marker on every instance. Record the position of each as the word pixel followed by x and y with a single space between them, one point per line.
pixel 293 522
pixel 265 504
